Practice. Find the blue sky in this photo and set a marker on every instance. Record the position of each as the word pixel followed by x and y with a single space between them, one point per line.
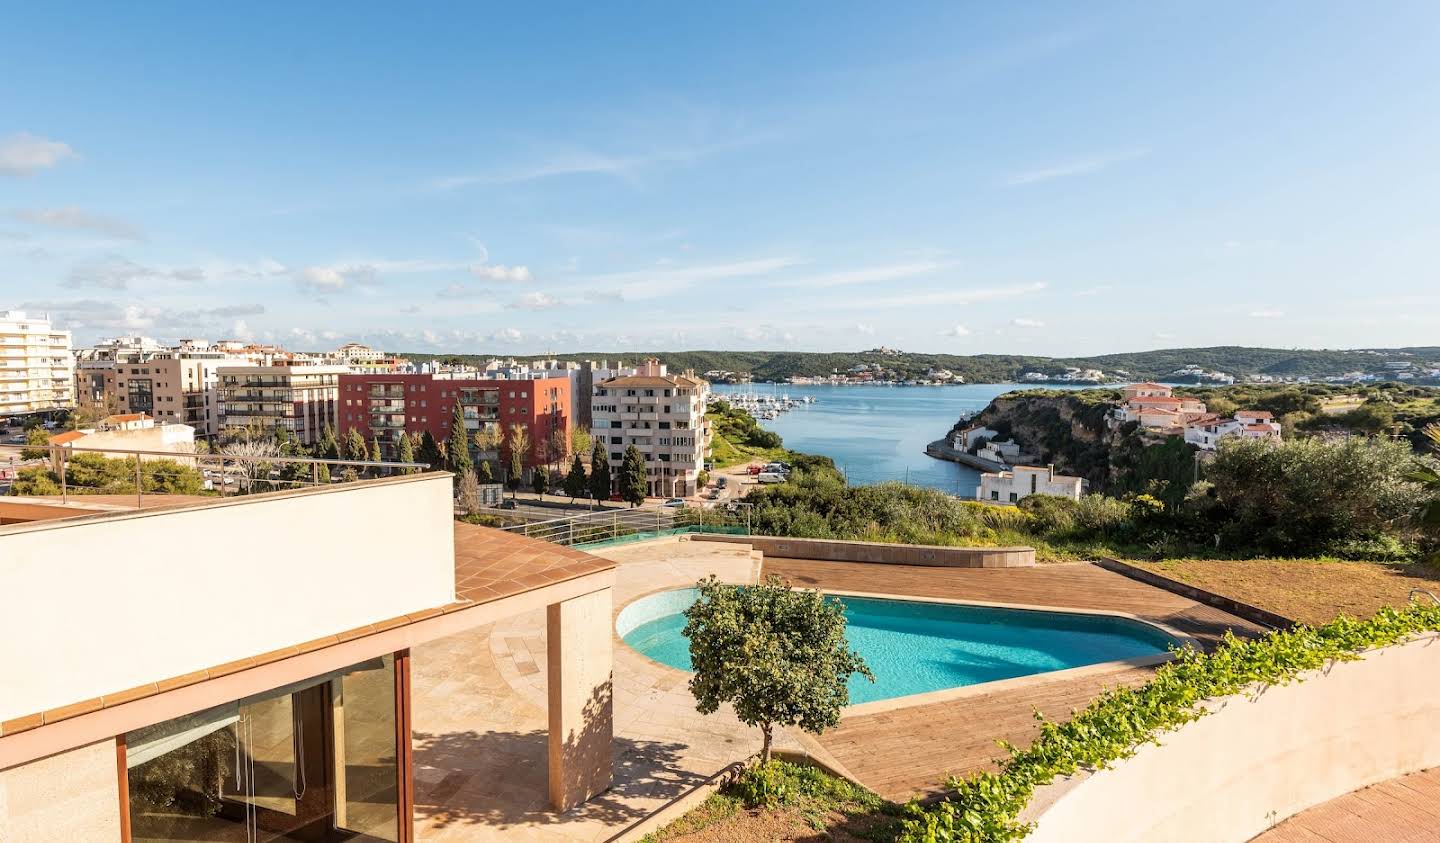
pixel 959 177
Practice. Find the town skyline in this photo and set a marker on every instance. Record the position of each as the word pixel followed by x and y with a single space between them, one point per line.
pixel 943 179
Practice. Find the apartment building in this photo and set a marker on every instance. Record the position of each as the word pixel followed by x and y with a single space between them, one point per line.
pixel 661 414
pixel 173 387
pixel 37 371
pixel 302 400
pixel 389 406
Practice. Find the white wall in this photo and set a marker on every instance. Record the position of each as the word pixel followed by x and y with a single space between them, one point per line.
pixel 73 797
pixel 113 602
pixel 1257 760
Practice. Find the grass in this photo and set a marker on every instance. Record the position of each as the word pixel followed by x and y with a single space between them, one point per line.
pixel 1312 591
pixel 786 801
pixel 725 453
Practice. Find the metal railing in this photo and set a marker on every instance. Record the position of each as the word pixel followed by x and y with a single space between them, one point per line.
pixel 227 474
pixel 610 525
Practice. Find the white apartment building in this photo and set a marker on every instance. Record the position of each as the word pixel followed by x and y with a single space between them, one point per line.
pixel 37 371
pixel 300 399
pixel 661 414
pixel 1025 480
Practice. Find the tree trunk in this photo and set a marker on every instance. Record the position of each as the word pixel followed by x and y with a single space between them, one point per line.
pixel 765 747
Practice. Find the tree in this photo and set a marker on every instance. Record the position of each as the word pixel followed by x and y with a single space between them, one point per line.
pixel 35 480
pixel 1429 479
pixel 487 474
pixel 469 492
pixel 776 653
pixel 459 443
pixel 517 442
pixel 557 444
pixel 429 452
pixel 355 448
pixel 633 485
pixel 406 453
pixel 540 480
pixel 599 473
pixel 576 482
pixel 376 454
pixel 580 441
pixel 37 444
pixel 328 448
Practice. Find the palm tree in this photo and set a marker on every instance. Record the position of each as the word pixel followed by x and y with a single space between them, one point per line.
pixel 1427 476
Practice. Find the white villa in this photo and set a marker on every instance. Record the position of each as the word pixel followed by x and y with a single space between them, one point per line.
pixel 1207 432
pixel 1154 406
pixel 1025 480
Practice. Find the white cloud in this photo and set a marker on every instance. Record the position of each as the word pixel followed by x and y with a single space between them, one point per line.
pixel 500 272
pixel 1094 291
pixel 325 279
pixel 957 331
pixel 1267 314
pixel 117 273
pixel 640 285
pixel 24 154
pixel 534 301
pixel 1163 335
pixel 935 297
pixel 506 335
pixel 866 330
pixel 866 275
pixel 338 276
pixel 241 331
pixel 1078 167
pixel 77 219
pixel 1027 323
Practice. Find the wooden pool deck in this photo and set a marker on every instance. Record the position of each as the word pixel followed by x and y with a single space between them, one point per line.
pixel 911 751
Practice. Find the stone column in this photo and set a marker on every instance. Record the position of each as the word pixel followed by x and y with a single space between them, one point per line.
pixel 580 667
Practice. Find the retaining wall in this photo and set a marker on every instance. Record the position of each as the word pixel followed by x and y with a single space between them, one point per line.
pixel 830 550
pixel 1259 759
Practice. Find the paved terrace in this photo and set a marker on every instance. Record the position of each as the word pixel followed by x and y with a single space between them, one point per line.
pixel 1403 810
pixel 911 751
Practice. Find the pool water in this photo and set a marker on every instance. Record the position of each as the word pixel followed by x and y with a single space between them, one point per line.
pixel 914 647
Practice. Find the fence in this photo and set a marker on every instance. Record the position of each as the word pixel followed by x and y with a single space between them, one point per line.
pixel 127 471
pixel 618 526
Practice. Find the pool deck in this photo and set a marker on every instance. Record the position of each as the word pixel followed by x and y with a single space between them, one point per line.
pixel 910 751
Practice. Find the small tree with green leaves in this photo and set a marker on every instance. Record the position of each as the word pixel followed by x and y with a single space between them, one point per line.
pixel 599 473
pixel 778 654
pixel 459 443
pixel 37 444
pixel 580 441
pixel 633 485
pixel 540 480
pixel 576 483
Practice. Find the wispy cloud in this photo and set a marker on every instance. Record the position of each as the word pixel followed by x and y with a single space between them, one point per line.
pixel 500 272
pixel 535 301
pixel 1027 323
pixel 339 276
pixel 640 285
pixel 1077 167
pixel 867 275
pixel 1094 291
pixel 936 297
pixel 117 273
pixel 1267 313
pixel 77 219
pixel 956 331
pixel 24 154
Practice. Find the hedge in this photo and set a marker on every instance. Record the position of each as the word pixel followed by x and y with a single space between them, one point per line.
pixel 985 807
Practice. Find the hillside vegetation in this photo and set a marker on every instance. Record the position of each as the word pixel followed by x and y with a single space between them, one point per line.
pixel 1240 361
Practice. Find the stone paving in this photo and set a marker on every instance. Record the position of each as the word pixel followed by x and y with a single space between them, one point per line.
pixel 479 718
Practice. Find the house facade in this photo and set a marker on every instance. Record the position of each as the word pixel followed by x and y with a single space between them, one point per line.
pixel 662 415
pixel 1025 480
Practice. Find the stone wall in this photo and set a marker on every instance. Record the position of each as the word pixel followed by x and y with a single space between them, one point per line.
pixel 66 798
pixel 829 550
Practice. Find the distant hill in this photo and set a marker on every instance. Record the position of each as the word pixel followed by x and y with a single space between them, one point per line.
pixel 1239 361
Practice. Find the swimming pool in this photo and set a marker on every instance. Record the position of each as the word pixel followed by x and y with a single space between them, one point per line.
pixel 915 647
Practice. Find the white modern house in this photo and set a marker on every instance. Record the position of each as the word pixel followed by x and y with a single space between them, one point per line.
pixel 1025 480
pixel 1206 433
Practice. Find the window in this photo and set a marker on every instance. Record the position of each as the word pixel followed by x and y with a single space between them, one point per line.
pixel 1014 497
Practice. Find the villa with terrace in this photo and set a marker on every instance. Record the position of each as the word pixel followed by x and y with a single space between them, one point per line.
pixel 348 662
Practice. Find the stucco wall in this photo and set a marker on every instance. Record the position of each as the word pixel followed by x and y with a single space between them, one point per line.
pixel 1255 761
pixel 104 604
pixel 893 554
pixel 66 798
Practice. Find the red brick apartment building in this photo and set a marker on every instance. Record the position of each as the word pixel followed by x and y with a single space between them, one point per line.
pixel 388 406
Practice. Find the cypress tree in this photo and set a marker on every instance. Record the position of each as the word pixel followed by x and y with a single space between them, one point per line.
pixel 632 477
pixel 540 480
pixel 459 443
pixel 429 452
pixel 355 447
pixel 406 452
pixel 576 483
pixel 599 472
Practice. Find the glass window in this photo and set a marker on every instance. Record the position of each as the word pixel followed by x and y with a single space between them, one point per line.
pixel 313 761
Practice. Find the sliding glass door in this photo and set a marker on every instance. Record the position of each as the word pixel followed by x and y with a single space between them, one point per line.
pixel 313 762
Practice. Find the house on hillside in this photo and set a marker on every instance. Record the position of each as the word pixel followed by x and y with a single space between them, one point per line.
pixel 1155 406
pixel 1205 433
pixel 1025 480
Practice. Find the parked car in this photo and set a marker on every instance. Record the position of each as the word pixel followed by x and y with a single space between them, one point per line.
pixel 722 482
pixel 769 477
pixel 753 469
pixel 674 502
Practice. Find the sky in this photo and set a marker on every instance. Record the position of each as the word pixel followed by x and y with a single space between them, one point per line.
pixel 1045 178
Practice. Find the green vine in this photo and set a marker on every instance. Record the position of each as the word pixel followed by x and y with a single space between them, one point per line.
pixel 985 808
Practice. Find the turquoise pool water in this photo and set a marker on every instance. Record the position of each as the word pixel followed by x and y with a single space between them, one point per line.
pixel 915 647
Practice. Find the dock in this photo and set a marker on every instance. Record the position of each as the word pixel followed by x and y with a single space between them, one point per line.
pixel 941 449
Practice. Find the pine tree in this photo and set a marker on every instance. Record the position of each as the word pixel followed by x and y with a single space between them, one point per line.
pixel 375 453
pixel 459 443
pixel 406 453
pixel 328 448
pixel 599 472
pixel 576 483
pixel 540 480
pixel 633 486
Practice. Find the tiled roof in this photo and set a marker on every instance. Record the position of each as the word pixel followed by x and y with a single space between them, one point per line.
pixel 652 380
pixel 67 436
pixel 121 418
pixel 1255 414
pixel 489 565
pixel 1147 385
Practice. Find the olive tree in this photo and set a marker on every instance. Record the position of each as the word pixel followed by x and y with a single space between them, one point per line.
pixel 777 654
